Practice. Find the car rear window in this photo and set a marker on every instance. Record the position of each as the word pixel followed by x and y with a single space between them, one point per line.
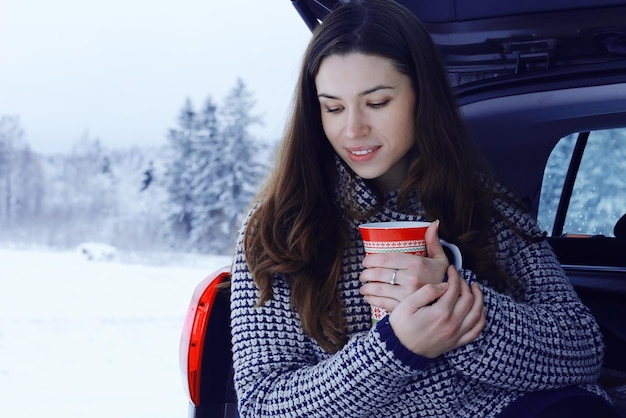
pixel 598 197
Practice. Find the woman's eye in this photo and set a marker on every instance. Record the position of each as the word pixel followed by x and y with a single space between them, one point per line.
pixel 377 105
pixel 333 109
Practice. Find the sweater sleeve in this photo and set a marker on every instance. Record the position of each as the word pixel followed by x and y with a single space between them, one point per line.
pixel 541 337
pixel 280 371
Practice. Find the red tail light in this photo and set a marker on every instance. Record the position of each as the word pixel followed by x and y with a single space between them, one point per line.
pixel 194 330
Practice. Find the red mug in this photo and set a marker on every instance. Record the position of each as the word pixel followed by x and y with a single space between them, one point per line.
pixel 399 236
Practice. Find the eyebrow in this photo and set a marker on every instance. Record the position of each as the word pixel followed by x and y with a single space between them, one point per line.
pixel 364 93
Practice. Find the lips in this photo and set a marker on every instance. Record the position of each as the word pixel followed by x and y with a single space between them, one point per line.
pixel 362 154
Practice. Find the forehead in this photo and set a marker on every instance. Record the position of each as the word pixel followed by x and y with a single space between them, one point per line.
pixel 356 72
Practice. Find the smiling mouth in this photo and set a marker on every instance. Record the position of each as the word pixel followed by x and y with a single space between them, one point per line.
pixel 362 152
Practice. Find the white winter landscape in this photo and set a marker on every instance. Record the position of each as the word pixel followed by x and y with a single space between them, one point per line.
pixel 89 338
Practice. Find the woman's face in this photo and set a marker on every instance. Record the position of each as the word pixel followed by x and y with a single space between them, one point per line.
pixel 368 110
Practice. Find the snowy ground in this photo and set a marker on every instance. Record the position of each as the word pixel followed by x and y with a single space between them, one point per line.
pixel 91 338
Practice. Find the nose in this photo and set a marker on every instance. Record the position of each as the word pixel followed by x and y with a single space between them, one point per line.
pixel 356 124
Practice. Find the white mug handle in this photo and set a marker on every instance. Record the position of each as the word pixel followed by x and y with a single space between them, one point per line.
pixel 458 260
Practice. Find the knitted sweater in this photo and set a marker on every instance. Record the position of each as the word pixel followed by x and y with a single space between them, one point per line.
pixel 538 337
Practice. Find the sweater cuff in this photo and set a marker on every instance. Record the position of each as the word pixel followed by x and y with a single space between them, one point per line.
pixel 393 344
pixel 469 276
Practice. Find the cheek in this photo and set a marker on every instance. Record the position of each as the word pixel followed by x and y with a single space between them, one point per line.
pixel 330 129
pixel 406 129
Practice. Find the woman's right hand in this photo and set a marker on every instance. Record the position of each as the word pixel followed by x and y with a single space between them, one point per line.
pixel 410 272
pixel 440 317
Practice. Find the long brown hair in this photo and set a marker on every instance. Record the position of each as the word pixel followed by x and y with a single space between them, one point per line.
pixel 296 231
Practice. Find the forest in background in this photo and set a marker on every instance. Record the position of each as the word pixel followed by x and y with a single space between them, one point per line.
pixel 186 196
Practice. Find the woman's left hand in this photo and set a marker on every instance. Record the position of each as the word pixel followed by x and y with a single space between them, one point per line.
pixel 389 278
pixel 441 317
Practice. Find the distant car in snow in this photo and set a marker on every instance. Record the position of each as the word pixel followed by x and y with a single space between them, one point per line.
pixel 96 251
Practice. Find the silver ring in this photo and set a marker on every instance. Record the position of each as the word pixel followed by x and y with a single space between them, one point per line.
pixel 393 278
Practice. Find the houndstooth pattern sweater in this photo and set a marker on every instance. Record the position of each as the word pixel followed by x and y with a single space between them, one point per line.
pixel 538 337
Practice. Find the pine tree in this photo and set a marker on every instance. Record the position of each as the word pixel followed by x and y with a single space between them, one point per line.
pixel 10 137
pixel 241 171
pixel 89 179
pixel 29 182
pixel 205 166
pixel 179 179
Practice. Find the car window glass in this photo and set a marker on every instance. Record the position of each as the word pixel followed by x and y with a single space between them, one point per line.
pixel 599 194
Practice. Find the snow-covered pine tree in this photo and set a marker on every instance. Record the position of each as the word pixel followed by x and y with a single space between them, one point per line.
pixel 29 182
pixel 178 178
pixel 10 137
pixel 206 167
pixel 90 180
pixel 241 170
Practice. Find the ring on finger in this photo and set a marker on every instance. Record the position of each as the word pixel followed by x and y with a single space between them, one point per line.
pixel 393 278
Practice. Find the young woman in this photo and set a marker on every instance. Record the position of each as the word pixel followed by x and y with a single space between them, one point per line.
pixel 375 136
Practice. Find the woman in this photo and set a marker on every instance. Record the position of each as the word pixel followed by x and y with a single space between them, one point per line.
pixel 375 136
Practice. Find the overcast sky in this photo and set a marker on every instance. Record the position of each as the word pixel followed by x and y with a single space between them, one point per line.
pixel 120 70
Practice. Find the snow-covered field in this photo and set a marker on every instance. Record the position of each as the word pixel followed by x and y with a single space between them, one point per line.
pixel 94 339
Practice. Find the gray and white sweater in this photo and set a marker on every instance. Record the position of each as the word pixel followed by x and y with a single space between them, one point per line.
pixel 537 338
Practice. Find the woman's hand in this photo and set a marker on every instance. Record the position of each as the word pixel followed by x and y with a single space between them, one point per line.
pixel 411 272
pixel 440 317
